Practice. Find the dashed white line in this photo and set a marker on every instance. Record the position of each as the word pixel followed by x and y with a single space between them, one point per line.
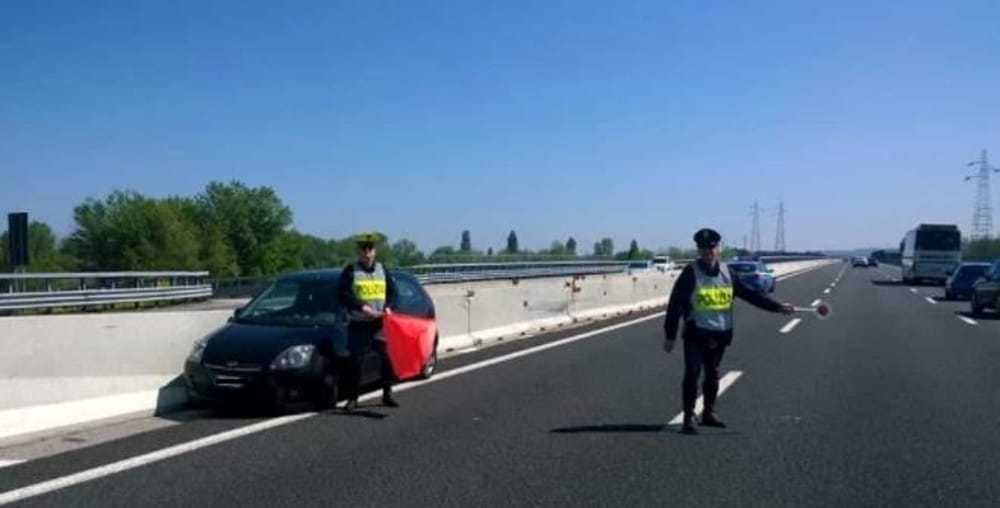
pixel 699 405
pixel 914 291
pixel 930 300
pixel 826 291
pixel 816 302
pixel 967 320
pixel 791 325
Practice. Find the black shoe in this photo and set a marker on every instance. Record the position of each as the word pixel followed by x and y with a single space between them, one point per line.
pixel 388 401
pixel 351 405
pixel 708 419
pixel 688 427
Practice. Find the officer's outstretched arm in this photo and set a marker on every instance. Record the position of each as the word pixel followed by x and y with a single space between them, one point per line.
pixel 759 300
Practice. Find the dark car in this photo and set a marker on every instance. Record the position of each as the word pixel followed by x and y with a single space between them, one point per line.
pixel 289 343
pixel 872 262
pixel 754 275
pixel 959 284
pixel 859 261
pixel 986 291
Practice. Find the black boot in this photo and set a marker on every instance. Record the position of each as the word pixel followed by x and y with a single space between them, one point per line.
pixel 709 419
pixel 387 399
pixel 688 426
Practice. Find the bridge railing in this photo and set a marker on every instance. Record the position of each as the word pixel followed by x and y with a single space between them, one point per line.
pixel 88 290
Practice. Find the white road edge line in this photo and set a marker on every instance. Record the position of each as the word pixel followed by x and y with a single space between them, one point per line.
pixel 816 302
pixel 791 325
pixel 930 300
pixel 970 321
pixel 699 405
pixel 8 462
pixel 173 451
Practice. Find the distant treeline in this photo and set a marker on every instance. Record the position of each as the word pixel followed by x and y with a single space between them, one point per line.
pixel 234 230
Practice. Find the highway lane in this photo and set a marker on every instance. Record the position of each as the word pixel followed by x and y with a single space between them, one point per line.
pixel 893 400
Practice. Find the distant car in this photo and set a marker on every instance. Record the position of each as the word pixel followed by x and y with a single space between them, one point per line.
pixel 288 344
pixel 986 291
pixel 859 261
pixel 959 285
pixel 663 263
pixel 754 275
pixel 872 262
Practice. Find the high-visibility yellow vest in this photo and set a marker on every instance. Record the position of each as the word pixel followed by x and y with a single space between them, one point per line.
pixel 712 299
pixel 370 288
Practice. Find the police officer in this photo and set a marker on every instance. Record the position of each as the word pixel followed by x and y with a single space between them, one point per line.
pixel 703 297
pixel 366 291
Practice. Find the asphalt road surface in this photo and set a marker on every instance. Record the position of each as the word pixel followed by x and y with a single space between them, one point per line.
pixel 893 400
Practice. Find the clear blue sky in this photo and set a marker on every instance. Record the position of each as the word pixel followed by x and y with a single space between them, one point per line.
pixel 421 119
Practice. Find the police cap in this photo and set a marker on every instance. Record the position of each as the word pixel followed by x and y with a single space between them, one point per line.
pixel 707 238
pixel 366 239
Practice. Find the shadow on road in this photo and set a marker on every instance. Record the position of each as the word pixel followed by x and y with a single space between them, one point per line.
pixel 979 317
pixel 611 428
pixel 358 413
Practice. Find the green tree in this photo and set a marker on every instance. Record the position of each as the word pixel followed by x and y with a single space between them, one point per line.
pixel 512 247
pixel 466 241
pixel 604 248
pixel 253 221
pixel 128 231
pixel 571 246
pixel 407 253
pixel 43 252
pixel 633 250
pixel 557 249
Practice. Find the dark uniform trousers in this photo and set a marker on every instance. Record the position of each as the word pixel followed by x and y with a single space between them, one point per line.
pixel 699 356
pixel 362 339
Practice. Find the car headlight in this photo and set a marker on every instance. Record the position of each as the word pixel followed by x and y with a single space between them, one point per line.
pixel 294 357
pixel 197 350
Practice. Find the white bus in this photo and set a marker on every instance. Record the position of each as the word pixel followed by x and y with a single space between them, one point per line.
pixel 930 252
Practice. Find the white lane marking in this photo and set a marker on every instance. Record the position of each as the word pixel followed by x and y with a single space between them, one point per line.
pixel 826 291
pixel 699 405
pixel 8 462
pixel 914 291
pixel 791 325
pixel 173 451
pixel 833 285
pixel 930 300
pixel 800 272
pixel 970 321
pixel 816 302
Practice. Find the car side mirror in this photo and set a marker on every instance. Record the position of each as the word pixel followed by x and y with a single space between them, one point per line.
pixel 236 313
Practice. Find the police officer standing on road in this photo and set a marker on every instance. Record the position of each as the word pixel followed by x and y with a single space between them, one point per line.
pixel 366 290
pixel 703 296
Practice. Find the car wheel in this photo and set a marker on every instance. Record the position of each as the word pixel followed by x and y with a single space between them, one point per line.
pixel 428 370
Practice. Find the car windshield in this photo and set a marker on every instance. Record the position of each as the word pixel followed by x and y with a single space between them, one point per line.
pixel 938 240
pixel 293 302
pixel 971 272
pixel 743 267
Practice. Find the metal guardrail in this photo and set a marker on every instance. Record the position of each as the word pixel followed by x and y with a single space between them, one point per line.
pixel 39 291
pixel 465 272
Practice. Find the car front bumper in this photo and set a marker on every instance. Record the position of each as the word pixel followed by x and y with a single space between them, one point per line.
pixel 249 384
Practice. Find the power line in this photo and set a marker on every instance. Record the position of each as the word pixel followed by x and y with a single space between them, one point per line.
pixel 982 215
pixel 755 231
pixel 779 236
